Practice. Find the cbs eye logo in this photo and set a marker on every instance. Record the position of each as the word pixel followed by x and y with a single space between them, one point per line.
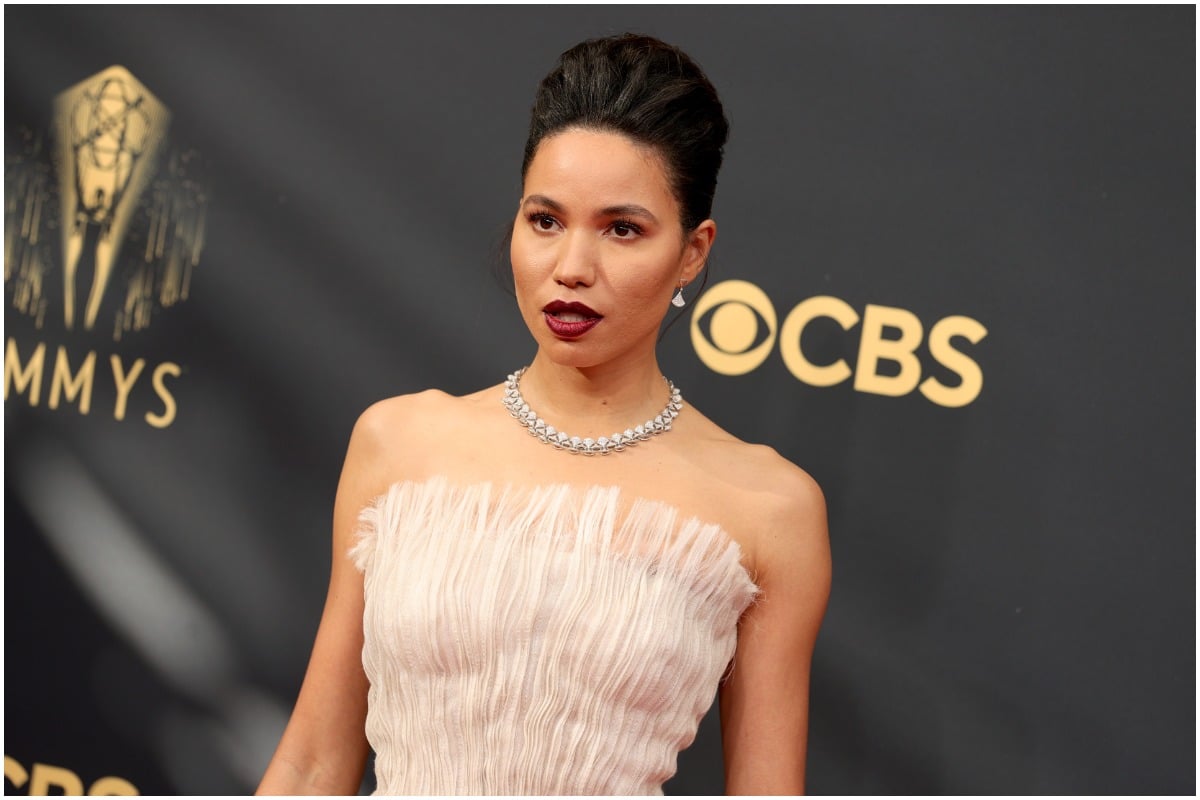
pixel 742 328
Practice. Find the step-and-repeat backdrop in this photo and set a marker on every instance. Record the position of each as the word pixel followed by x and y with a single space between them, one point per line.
pixel 954 280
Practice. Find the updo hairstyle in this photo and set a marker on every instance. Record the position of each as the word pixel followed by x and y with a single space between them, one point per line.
pixel 649 91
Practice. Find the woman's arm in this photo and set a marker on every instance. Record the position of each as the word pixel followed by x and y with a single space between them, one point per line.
pixel 324 747
pixel 764 700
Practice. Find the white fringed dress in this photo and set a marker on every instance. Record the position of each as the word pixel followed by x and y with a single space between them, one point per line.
pixel 545 640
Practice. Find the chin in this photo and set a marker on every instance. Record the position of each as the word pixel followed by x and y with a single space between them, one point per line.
pixel 570 354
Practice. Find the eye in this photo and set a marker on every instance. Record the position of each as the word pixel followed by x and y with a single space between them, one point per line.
pixel 623 229
pixel 542 221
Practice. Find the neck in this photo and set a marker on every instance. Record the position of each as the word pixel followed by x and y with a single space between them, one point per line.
pixel 595 401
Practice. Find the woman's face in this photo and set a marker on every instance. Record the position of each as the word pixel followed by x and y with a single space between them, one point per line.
pixel 598 249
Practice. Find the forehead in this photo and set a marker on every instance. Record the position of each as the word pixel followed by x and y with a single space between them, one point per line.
pixel 600 168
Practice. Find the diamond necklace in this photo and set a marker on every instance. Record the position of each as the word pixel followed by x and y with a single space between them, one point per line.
pixel 537 426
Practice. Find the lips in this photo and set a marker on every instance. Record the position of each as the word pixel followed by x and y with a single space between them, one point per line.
pixel 570 320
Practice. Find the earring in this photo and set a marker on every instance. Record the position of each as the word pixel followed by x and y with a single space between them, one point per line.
pixel 678 300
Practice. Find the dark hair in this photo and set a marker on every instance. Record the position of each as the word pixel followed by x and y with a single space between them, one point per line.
pixel 649 91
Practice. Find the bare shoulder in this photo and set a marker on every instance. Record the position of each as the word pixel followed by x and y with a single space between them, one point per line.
pixel 404 408
pixel 789 538
pixel 793 532
pixel 393 436
pixel 784 488
pixel 781 507
pixel 410 414
pixel 787 492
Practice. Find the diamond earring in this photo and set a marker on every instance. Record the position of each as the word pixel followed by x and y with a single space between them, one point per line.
pixel 678 300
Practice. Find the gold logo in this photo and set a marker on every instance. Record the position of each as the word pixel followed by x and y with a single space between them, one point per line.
pixel 106 225
pixel 737 308
pixel 735 312
pixel 42 778
pixel 129 215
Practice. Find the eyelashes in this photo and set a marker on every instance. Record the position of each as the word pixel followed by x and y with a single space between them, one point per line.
pixel 536 218
pixel 626 224
pixel 622 228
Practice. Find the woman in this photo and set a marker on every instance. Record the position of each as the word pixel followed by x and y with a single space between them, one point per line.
pixel 507 616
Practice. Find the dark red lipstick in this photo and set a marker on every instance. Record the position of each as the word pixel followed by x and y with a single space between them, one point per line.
pixel 569 320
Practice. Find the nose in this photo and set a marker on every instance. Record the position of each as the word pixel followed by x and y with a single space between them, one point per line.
pixel 575 263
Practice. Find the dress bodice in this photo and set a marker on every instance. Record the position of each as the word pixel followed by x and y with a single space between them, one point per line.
pixel 545 640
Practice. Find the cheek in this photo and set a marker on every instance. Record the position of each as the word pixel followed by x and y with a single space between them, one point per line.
pixel 647 290
pixel 658 277
pixel 516 248
pixel 518 256
pixel 647 287
pixel 528 264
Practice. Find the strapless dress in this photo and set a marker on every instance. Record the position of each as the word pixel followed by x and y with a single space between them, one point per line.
pixel 540 640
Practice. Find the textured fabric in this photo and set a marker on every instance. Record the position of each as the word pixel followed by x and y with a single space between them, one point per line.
pixel 545 640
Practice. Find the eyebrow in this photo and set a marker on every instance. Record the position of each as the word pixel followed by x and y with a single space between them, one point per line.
pixel 629 210
pixel 622 210
pixel 541 199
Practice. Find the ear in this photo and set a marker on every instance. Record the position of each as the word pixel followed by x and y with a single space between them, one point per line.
pixel 695 250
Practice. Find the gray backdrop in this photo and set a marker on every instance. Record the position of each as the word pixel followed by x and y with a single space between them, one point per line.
pixel 1014 581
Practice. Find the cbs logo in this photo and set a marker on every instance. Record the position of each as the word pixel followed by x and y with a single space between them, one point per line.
pixel 736 311
pixel 46 779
